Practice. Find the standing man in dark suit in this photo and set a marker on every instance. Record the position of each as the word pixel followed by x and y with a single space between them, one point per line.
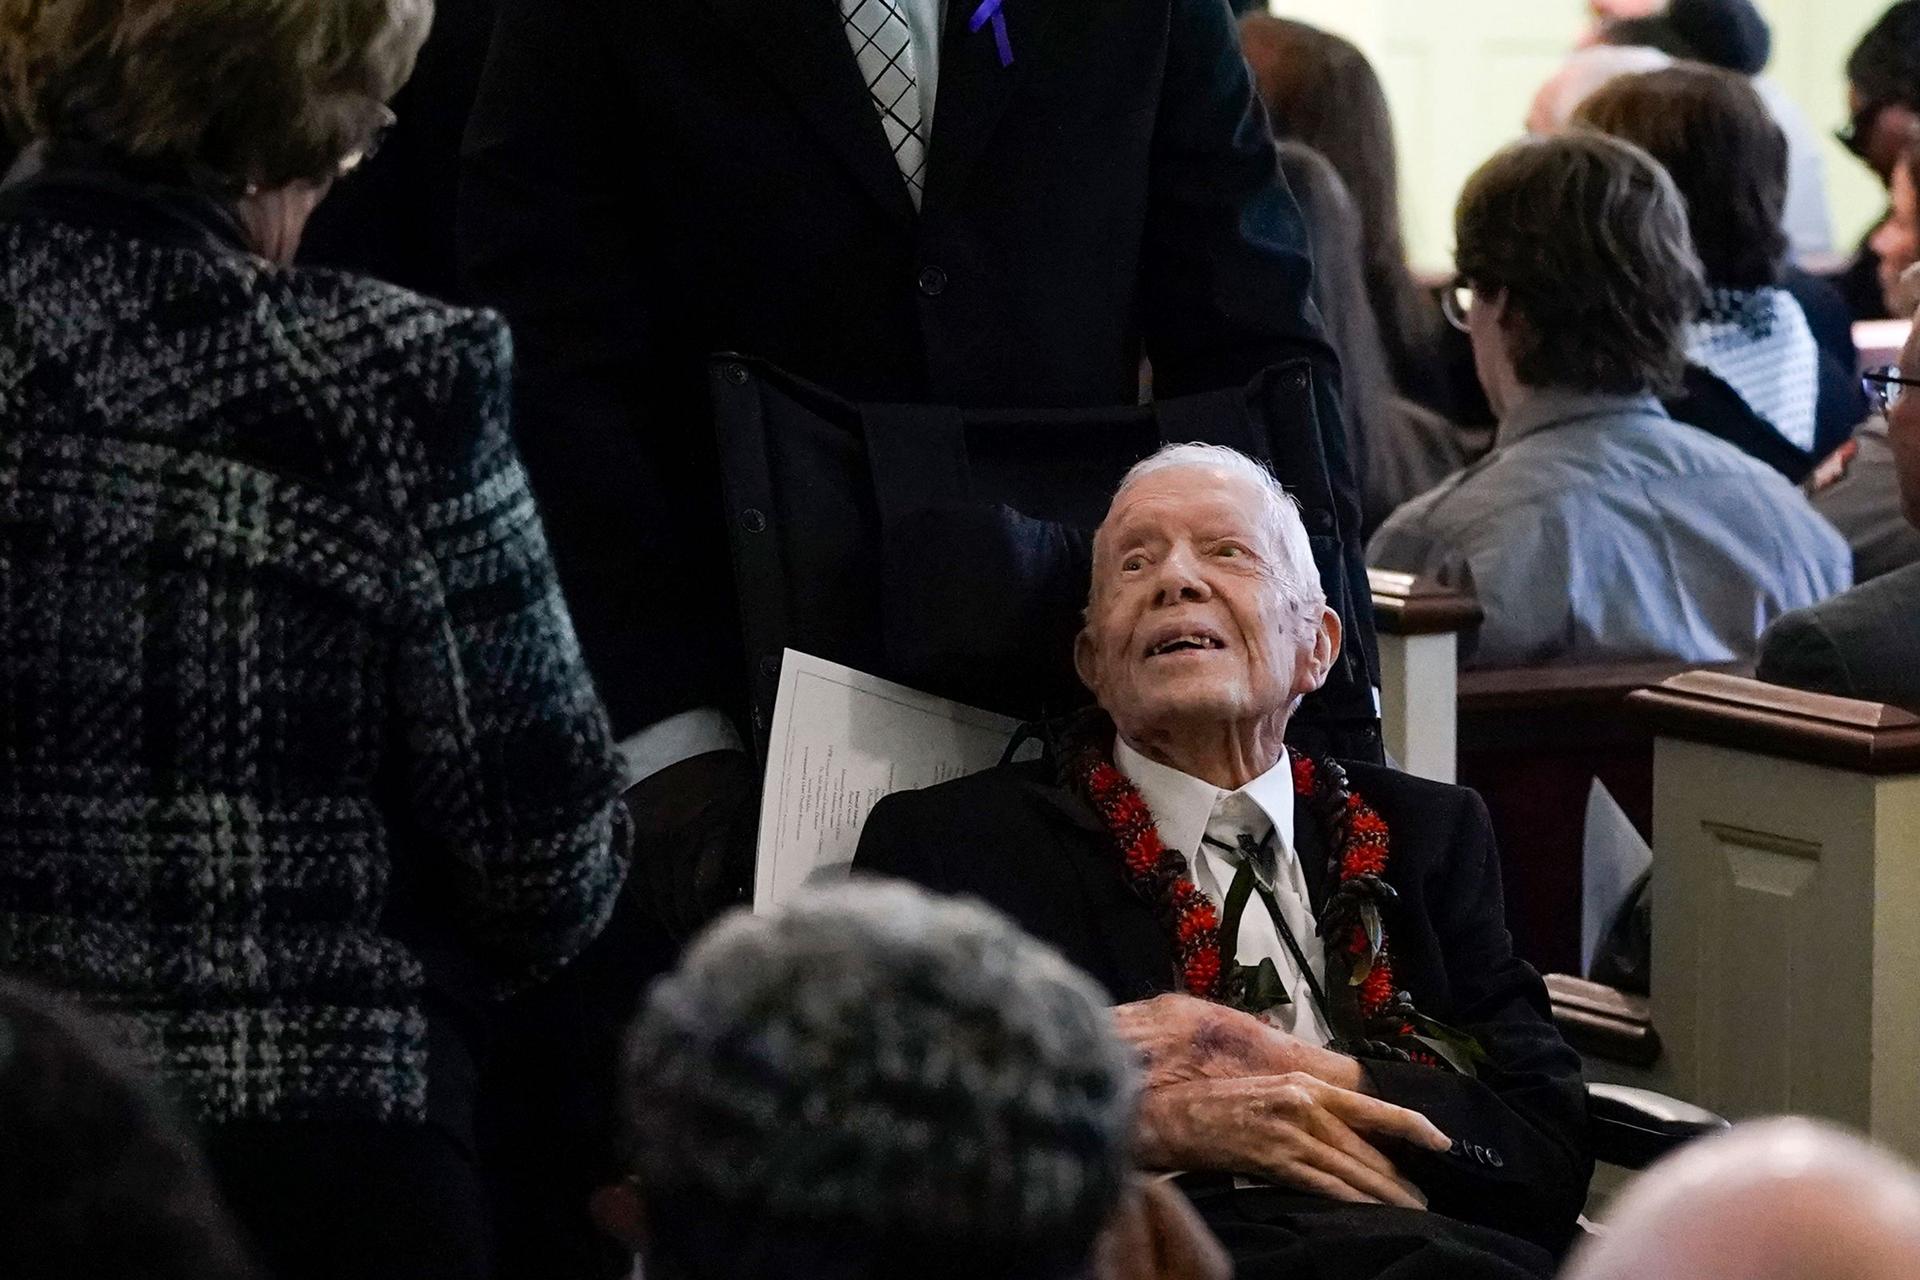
pixel 977 202
pixel 1861 643
pixel 1313 957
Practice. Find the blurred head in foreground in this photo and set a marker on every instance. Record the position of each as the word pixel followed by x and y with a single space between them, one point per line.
pixel 875 1082
pixel 1772 1200
pixel 97 1178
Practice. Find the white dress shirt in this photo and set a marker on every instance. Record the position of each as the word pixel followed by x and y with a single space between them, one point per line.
pixel 924 20
pixel 1186 809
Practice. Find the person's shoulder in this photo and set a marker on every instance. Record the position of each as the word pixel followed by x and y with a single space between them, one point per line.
pixel 406 321
pixel 1856 644
pixel 1387 788
pixel 1469 508
pixel 974 794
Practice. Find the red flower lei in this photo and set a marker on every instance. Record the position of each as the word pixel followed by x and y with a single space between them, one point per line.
pixel 1388 1024
pixel 1159 874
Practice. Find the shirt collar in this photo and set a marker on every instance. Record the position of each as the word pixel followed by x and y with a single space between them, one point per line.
pixel 1182 804
pixel 1543 409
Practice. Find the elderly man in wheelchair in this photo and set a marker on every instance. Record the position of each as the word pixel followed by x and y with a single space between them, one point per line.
pixel 1350 1069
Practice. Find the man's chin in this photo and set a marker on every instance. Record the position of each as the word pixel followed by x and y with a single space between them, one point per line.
pixel 1185 710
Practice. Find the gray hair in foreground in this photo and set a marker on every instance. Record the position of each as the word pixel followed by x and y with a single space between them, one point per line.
pixel 1785 1199
pixel 876 1060
pixel 1298 574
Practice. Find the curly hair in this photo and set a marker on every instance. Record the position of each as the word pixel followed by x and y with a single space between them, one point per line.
pixel 876 1081
pixel 97 1175
pixel 217 94
pixel 1720 146
pixel 1587 237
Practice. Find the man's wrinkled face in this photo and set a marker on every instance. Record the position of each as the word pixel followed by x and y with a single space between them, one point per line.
pixel 1191 623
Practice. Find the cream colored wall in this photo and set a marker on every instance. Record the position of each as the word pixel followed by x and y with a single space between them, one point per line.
pixel 1460 74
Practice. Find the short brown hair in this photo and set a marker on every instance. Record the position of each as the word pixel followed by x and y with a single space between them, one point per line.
pixel 222 94
pixel 1587 237
pixel 1723 151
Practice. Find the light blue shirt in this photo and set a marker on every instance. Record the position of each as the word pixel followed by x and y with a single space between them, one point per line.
pixel 1601 530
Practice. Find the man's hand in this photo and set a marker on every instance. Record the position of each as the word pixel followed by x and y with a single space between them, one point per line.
pixel 1156 1235
pixel 694 828
pixel 1294 1129
pixel 1184 1039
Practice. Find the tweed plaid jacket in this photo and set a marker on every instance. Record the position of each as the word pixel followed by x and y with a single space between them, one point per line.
pixel 283 667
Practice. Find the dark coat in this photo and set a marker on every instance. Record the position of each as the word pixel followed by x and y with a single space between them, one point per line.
pixel 295 736
pixel 1521 1160
pixel 649 183
pixel 1859 644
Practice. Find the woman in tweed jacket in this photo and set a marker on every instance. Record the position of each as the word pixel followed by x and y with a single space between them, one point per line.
pixel 298 757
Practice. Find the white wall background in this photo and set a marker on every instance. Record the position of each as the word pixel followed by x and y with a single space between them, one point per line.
pixel 1460 74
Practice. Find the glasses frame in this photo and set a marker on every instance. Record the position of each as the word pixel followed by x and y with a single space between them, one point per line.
pixel 383 125
pixel 1456 303
pixel 1885 387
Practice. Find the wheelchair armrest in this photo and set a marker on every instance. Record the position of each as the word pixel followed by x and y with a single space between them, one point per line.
pixel 1634 1127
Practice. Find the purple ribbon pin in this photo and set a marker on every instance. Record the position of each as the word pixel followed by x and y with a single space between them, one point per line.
pixel 989 11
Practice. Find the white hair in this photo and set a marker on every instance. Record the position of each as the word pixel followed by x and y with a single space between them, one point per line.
pixel 1784 1199
pixel 1299 576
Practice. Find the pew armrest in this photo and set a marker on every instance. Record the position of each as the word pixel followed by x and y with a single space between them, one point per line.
pixel 1406 605
pixel 1634 1127
pixel 1602 1022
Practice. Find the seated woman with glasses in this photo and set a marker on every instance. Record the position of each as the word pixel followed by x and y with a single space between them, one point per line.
pixel 1599 529
pixel 301 762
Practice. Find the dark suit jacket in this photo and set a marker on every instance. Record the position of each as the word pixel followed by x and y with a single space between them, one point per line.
pixel 649 183
pixel 392 218
pixel 1521 1162
pixel 1860 644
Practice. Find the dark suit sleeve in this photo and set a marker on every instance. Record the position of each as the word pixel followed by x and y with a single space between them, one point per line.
pixel 1522 1156
pixel 895 842
pixel 553 233
pixel 1797 651
pixel 1226 262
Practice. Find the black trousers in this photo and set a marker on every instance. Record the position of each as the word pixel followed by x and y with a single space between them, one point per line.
pixel 355 1201
pixel 549 1115
pixel 360 1200
pixel 1274 1234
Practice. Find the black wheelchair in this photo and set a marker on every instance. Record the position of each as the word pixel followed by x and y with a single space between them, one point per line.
pixel 950 551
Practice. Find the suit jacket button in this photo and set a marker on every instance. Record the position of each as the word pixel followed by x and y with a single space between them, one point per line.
pixel 1493 1158
pixel 933 281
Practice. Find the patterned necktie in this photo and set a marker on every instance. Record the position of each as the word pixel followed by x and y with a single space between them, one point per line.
pixel 883 46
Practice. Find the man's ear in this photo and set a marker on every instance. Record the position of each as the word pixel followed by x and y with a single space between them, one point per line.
pixel 1086 661
pixel 1326 648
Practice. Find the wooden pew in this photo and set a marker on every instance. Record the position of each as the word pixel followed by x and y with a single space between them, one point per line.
pixel 1532 740
pixel 1419 624
pixel 1786 960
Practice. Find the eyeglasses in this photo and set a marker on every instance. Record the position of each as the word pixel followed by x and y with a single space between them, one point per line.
pixel 1858 131
pixel 1456 301
pixel 371 147
pixel 1885 388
